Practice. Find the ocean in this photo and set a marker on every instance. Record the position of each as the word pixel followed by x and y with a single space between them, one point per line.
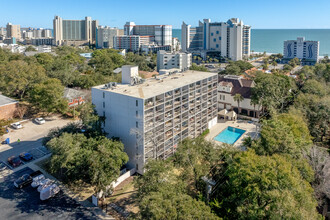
pixel 271 40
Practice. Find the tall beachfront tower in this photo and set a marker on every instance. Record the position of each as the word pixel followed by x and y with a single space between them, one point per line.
pixel 306 51
pixel 231 39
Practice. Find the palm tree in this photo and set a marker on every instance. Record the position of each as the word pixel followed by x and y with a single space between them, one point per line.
pixel 238 98
pixel 274 63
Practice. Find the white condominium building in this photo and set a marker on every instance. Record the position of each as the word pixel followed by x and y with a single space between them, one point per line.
pixel 74 31
pixel 162 34
pixel 105 36
pixel 173 60
pixel 231 39
pixel 13 30
pixel 128 42
pixel 152 116
pixel 306 51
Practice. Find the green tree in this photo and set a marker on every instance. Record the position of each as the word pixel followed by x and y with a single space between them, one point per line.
pixel 312 86
pixel 198 67
pixel 48 96
pixel 274 63
pixel 30 48
pixel 262 187
pixel 18 77
pixel 194 158
pixel 272 91
pixel 238 98
pixel 96 161
pixel 167 204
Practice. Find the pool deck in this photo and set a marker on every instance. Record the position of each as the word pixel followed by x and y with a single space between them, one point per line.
pixel 250 130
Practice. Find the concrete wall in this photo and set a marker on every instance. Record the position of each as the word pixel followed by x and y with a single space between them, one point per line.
pixel 120 112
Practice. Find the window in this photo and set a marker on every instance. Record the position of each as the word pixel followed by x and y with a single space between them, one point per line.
pixel 137 113
pixel 217 32
pixel 103 94
pixel 217 46
pixel 103 104
pixel 103 113
pixel 224 97
pixel 137 124
pixel 211 34
pixel 214 39
pixel 219 38
pixel 137 166
pixel 137 103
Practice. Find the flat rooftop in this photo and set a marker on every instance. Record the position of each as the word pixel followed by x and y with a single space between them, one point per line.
pixel 4 100
pixel 164 83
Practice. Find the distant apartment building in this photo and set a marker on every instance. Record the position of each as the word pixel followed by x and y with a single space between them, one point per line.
pixel 231 85
pixel 231 39
pixel 306 51
pixel 3 32
pixel 13 30
pixel 30 33
pixel 152 116
pixel 105 36
pixel 151 37
pixel 128 42
pixel 74 32
pixel 162 34
pixel 42 41
pixel 173 60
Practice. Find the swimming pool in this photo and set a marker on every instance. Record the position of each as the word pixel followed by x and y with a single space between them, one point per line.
pixel 230 135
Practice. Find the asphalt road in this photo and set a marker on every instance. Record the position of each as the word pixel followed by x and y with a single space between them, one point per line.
pixel 26 204
pixel 30 137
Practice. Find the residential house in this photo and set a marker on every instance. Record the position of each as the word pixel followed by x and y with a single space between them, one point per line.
pixel 231 85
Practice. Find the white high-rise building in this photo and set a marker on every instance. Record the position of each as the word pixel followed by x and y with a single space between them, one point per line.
pixel 231 39
pixel 306 51
pixel 105 36
pixel 152 116
pixel 173 60
pixel 74 31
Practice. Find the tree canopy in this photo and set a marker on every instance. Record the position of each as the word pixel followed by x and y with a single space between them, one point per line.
pixel 263 187
pixel 96 161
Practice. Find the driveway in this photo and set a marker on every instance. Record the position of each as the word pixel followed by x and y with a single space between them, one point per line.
pixel 26 204
pixel 30 137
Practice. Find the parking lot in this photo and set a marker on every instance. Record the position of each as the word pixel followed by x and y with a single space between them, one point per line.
pixel 29 139
pixel 26 204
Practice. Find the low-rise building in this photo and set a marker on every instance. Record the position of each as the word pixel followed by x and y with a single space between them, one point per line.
pixel 231 85
pixel 74 97
pixel 8 107
pixel 306 51
pixel 176 60
pixel 151 116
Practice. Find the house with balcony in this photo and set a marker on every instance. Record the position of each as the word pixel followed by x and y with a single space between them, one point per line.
pixel 228 87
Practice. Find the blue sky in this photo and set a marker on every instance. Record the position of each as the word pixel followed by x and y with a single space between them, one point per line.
pixel 257 13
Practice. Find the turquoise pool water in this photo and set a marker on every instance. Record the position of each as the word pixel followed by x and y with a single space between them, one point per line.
pixel 230 135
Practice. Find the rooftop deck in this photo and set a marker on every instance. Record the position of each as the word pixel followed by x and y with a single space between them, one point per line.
pixel 164 83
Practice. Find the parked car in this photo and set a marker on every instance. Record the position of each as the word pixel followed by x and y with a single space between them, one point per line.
pixel 14 161
pixel 26 156
pixel 16 125
pixel 26 179
pixel 49 192
pixel 2 167
pixel 39 121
